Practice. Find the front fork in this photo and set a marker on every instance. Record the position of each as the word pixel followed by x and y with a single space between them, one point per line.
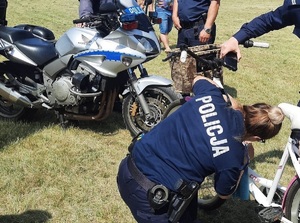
pixel 134 84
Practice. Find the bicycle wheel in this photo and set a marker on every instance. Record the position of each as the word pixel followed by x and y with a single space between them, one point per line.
pixel 292 203
pixel 207 197
pixel 173 107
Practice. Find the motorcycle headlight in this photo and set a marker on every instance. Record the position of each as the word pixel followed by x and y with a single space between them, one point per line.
pixel 127 61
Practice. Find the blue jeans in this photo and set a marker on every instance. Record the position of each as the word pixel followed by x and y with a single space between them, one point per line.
pixel 190 37
pixel 137 200
pixel 166 24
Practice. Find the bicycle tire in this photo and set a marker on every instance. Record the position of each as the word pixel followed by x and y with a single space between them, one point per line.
pixel 292 202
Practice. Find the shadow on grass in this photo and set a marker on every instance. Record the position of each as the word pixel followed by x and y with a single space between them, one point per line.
pixel 109 126
pixel 30 216
pixel 13 131
pixel 230 90
pixel 267 157
pixel 232 211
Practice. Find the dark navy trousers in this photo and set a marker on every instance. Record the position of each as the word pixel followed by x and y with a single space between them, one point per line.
pixel 136 199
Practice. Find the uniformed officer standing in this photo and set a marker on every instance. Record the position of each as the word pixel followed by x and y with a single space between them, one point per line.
pixel 195 21
pixel 286 15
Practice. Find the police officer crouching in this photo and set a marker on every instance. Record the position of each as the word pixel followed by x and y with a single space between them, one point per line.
pixel 160 177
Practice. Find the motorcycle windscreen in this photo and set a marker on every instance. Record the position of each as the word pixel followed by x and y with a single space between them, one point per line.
pixel 131 7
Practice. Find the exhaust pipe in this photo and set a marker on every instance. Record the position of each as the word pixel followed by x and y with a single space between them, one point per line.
pixel 13 96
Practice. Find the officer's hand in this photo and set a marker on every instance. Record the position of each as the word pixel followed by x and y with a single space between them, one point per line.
pixel 176 22
pixel 231 45
pixel 204 36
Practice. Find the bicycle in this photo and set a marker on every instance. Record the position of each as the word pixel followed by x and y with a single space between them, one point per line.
pixel 276 202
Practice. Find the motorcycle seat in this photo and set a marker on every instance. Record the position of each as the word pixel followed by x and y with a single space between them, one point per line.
pixel 37 50
pixel 38 31
pixel 11 35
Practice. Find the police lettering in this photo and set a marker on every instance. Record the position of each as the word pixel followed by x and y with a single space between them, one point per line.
pixel 212 125
pixel 135 10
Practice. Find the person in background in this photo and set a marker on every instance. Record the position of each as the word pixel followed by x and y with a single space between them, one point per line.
pixel 286 15
pixel 168 164
pixel 90 7
pixel 3 8
pixel 195 21
pixel 164 11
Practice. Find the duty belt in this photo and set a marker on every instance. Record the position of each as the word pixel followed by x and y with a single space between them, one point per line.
pixel 140 178
pixel 190 25
pixel 158 195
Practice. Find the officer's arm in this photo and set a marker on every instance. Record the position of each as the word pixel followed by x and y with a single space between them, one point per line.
pixel 85 8
pixel 212 13
pixel 175 17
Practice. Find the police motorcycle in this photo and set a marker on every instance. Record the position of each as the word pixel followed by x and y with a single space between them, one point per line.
pixel 81 74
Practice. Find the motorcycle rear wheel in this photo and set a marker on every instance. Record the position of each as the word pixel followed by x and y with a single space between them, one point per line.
pixel 158 99
pixel 11 111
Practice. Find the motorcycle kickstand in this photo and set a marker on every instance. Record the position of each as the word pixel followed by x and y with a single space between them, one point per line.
pixel 61 118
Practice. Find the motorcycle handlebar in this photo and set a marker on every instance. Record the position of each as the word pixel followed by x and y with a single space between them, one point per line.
pixel 83 20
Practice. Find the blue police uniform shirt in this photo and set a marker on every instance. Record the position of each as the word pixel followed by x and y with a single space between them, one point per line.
pixel 89 7
pixel 286 15
pixel 198 139
pixel 191 10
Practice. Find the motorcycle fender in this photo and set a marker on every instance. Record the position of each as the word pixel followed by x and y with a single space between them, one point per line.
pixel 144 82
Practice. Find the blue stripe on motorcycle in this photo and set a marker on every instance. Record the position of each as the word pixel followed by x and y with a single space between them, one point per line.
pixel 109 55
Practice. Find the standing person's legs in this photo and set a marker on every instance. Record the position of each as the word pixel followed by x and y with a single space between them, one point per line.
pixel 165 26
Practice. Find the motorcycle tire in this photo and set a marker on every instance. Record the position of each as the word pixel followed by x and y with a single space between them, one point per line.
pixel 292 202
pixel 14 112
pixel 158 99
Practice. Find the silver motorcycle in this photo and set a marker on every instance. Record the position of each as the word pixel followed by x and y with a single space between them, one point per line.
pixel 82 74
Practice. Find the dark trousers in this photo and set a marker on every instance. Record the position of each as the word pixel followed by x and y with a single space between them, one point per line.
pixel 190 35
pixel 3 7
pixel 136 199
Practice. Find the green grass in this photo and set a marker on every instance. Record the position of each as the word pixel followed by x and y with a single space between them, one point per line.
pixel 48 174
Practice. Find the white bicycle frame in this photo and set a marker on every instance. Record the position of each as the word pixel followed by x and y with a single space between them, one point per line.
pixel 255 179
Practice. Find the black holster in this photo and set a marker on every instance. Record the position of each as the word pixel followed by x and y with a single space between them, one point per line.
pixel 181 200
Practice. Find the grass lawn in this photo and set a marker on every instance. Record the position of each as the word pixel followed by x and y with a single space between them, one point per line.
pixel 48 174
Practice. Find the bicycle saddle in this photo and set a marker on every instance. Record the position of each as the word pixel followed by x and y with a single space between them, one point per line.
pixel 292 112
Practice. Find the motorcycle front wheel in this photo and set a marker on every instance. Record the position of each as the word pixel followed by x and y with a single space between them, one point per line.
pixel 158 100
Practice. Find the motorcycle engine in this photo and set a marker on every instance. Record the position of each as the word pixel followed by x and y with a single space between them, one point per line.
pixel 61 92
pixel 69 89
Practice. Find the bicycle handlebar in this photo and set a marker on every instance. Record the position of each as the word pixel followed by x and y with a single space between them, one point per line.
pixel 250 43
